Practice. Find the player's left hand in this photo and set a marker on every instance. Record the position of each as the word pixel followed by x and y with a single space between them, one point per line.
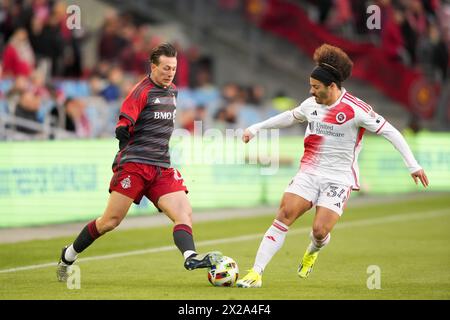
pixel 420 175
pixel 123 135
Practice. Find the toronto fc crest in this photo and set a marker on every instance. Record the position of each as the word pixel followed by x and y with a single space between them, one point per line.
pixel 126 183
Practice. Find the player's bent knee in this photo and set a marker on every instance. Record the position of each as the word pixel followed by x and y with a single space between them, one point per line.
pixel 320 232
pixel 184 218
pixel 286 215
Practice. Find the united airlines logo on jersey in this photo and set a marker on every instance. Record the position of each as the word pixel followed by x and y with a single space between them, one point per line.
pixel 126 183
pixel 164 115
pixel 341 117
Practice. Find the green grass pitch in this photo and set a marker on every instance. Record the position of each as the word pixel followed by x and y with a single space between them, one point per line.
pixel 408 241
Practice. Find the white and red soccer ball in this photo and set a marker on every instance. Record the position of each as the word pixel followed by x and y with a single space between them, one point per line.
pixel 224 273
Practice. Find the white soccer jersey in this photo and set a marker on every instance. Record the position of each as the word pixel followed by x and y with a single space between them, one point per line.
pixel 333 138
pixel 334 135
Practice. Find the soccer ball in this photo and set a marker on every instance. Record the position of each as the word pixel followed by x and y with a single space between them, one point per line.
pixel 224 273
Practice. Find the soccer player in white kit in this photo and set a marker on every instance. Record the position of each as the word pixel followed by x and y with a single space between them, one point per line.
pixel 328 171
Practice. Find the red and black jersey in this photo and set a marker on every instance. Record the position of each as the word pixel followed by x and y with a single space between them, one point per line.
pixel 150 111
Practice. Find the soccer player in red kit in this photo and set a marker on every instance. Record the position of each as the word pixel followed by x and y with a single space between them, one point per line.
pixel 142 165
pixel 328 171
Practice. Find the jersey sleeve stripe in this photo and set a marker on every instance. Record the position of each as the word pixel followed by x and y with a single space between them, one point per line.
pixel 367 105
pixel 361 132
pixel 360 104
pixel 359 101
pixel 354 105
pixel 380 127
pixel 137 91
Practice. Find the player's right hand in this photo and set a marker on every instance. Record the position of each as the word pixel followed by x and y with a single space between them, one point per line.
pixel 247 136
pixel 420 175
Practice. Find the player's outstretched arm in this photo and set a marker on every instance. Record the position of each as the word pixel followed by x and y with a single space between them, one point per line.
pixel 282 120
pixel 397 140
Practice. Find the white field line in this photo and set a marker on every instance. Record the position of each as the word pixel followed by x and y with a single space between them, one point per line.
pixel 304 230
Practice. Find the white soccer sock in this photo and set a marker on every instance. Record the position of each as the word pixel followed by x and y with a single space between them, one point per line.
pixel 316 244
pixel 70 254
pixel 272 242
pixel 188 253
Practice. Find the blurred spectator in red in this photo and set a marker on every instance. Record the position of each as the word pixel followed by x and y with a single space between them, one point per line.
pixel 135 57
pixel 342 16
pixel 182 76
pixel 416 17
pixel 18 57
pixel 392 41
pixel 111 42
pixel 189 116
pixel 186 119
pixel 41 9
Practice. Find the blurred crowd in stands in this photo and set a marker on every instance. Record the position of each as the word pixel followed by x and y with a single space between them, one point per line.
pixel 414 32
pixel 42 77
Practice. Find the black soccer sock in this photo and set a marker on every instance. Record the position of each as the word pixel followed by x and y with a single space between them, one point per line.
pixel 182 236
pixel 86 237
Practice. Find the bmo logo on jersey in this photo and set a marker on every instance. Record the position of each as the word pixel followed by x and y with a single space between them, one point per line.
pixel 165 115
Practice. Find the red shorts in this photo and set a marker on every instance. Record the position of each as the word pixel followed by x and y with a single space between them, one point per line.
pixel 136 180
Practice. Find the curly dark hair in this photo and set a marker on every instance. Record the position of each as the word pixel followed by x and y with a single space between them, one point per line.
pixel 334 59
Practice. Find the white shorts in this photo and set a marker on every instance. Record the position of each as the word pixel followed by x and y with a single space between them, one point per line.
pixel 320 191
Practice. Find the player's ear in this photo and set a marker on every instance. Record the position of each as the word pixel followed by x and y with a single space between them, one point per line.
pixel 152 66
